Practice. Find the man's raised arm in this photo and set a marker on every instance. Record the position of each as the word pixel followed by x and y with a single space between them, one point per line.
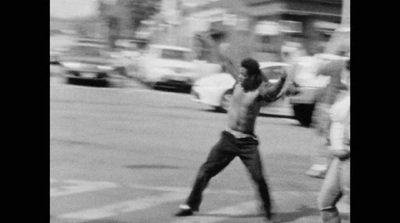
pixel 225 62
pixel 271 92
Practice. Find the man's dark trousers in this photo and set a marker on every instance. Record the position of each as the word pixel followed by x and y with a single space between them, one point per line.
pixel 220 156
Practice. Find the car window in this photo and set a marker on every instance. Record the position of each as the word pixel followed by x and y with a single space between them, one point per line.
pixel 92 51
pixel 174 54
pixel 273 73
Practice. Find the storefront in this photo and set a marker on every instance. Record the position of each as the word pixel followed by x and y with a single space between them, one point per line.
pixel 305 23
pixel 262 28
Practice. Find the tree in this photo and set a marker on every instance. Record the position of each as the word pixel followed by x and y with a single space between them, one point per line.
pixel 108 13
pixel 113 14
pixel 140 10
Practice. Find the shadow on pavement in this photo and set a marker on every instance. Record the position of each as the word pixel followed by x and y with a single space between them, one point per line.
pixel 274 116
pixel 175 90
pixel 104 221
pixel 301 212
pixel 91 83
pixel 231 216
pixel 151 166
pixel 285 217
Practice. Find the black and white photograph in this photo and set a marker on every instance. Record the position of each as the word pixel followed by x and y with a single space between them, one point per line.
pixel 199 111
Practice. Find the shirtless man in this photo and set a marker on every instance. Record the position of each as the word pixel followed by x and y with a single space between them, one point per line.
pixel 238 139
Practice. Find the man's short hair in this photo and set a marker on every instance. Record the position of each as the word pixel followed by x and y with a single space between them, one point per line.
pixel 252 66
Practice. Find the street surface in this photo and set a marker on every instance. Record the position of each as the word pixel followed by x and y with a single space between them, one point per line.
pixel 130 154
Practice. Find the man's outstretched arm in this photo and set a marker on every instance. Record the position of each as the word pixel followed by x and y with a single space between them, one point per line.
pixel 271 92
pixel 225 62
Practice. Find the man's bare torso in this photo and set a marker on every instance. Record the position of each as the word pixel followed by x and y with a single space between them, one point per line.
pixel 244 109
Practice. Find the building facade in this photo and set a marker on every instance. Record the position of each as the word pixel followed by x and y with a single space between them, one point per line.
pixel 259 28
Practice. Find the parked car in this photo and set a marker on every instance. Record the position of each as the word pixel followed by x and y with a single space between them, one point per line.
pixel 167 66
pixel 216 90
pixel 55 53
pixel 59 43
pixel 90 60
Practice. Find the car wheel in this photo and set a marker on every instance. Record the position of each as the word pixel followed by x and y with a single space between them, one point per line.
pixel 225 101
pixel 303 113
pixel 69 80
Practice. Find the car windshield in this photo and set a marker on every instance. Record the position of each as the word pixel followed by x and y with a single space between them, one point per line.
pixel 91 51
pixel 273 74
pixel 174 54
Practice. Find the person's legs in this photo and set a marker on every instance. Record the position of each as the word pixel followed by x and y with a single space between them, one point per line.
pixel 250 156
pixel 330 194
pixel 322 160
pixel 345 179
pixel 219 157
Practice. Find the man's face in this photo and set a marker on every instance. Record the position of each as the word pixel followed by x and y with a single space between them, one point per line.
pixel 243 75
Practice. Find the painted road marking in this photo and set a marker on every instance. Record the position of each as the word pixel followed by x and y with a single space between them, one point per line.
pixel 174 194
pixel 245 208
pixel 188 189
pixel 79 186
pixel 123 207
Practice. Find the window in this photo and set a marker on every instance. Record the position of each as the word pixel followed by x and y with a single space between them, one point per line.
pixel 273 73
pixel 174 54
pixel 85 51
pixel 267 44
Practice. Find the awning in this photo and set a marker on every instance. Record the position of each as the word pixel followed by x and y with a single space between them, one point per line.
pixel 267 28
pixel 326 25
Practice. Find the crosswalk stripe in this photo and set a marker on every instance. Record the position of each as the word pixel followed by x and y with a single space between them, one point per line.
pixel 188 189
pixel 123 207
pixel 245 208
pixel 172 194
pixel 79 186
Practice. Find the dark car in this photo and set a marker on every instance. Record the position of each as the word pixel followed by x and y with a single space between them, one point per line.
pixel 88 61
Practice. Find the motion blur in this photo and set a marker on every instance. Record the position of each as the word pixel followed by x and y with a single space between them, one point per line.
pixel 138 96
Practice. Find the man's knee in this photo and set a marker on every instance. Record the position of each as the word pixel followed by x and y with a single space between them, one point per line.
pixel 207 171
pixel 258 177
pixel 325 204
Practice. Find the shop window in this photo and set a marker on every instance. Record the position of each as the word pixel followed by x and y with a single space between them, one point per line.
pixel 267 44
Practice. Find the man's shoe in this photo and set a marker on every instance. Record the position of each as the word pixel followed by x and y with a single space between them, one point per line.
pixel 272 218
pixel 185 210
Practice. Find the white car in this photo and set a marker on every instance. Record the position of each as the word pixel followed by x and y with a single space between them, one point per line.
pixel 216 90
pixel 309 85
pixel 167 66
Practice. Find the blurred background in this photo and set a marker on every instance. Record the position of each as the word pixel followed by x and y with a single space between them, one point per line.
pixel 255 27
pixel 160 43
pixel 138 97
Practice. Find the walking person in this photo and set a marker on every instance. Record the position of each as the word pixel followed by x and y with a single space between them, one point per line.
pixel 321 120
pixel 238 138
pixel 337 180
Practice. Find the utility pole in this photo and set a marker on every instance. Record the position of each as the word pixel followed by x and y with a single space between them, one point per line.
pixel 346 13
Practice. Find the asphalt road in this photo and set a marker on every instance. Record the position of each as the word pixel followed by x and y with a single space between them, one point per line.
pixel 130 154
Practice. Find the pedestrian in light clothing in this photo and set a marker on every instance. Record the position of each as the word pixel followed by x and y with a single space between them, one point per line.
pixel 321 120
pixel 337 180
pixel 238 138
